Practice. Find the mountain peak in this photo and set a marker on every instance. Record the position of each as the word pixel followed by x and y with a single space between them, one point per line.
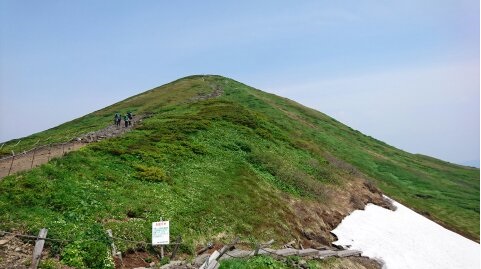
pixel 213 156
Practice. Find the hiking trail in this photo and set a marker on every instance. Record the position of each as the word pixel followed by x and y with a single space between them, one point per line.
pixel 43 154
pixel 35 157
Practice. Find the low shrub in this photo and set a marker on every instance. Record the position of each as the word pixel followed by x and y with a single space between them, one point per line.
pixel 151 173
pixel 320 170
pixel 91 249
pixel 289 177
pixel 258 262
pixel 49 264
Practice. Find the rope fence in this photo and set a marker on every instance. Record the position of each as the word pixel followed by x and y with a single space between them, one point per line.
pixel 34 148
pixel 17 162
pixel 208 261
pixel 39 154
pixel 42 237
pixel 33 237
pixel 227 247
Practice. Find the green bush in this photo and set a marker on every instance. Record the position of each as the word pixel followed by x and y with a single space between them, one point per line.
pixel 49 264
pixel 87 254
pixel 243 146
pixel 230 112
pixel 164 261
pixel 258 262
pixel 72 256
pixel 320 170
pixel 148 260
pixel 151 173
pixel 289 177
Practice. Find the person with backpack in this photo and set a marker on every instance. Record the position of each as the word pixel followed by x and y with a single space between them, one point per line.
pixel 129 115
pixel 126 120
pixel 117 119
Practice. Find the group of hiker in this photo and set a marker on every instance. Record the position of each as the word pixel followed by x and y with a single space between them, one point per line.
pixel 127 119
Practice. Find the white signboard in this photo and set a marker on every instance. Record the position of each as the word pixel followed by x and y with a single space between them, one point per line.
pixel 160 233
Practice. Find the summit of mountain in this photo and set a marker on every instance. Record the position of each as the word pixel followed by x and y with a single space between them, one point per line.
pixel 219 158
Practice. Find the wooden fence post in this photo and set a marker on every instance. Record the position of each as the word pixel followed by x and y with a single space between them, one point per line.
pixel 33 157
pixel 256 252
pixel 37 251
pixel 49 150
pixel 11 164
pixel 258 246
pixel 177 243
pixel 226 248
pixel 114 249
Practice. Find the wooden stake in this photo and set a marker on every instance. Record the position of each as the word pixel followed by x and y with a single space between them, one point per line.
pixel 226 248
pixel 258 246
pixel 268 243
pixel 11 164
pixel 177 243
pixel 37 251
pixel 49 150
pixel 33 157
pixel 256 252
pixel 114 249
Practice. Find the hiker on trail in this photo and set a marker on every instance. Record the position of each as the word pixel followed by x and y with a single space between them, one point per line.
pixel 129 115
pixel 117 118
pixel 126 120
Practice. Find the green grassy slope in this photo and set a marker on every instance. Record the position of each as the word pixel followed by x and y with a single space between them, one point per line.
pixel 190 159
pixel 445 192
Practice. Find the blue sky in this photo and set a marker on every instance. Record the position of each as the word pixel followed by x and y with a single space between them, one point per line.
pixel 405 72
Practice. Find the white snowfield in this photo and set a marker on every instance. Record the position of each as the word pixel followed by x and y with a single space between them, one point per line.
pixel 405 239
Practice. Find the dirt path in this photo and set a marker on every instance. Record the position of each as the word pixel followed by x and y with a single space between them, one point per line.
pixel 35 157
pixel 40 155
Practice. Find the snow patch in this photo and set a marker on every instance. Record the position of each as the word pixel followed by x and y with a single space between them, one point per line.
pixel 405 239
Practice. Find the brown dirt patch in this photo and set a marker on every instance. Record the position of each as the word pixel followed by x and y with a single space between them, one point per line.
pixel 134 259
pixel 14 253
pixel 314 221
